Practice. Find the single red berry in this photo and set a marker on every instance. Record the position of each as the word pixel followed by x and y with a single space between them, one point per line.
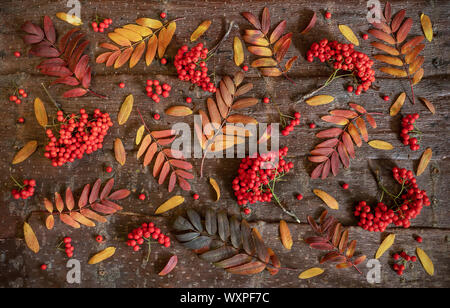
pixel 396 256
pixel 196 196
pixel 312 125
pixel 13 98
pixel 18 101
pixel 21 120
pixel 43 267
pixel 247 211
pixel 142 197
pixel 21 91
pixel 188 100
pixel 163 61
pixel 350 89
pixel 266 100
pixel 419 239
pixel 245 68
pixel 386 98
pixel 109 169
pixel 17 54
pixel 99 238
pixel 345 186
pixel 413 258
pixel 327 15
pixel 297 115
pixel 156 116
pixel 67 240
pixel 299 197
pixel 121 85
pixel 365 36
pixel 163 15
pixel 25 95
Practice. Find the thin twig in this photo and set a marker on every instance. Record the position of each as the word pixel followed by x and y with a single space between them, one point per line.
pixel 58 106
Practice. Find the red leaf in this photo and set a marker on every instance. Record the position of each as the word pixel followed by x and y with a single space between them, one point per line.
pixel 326 169
pixel 321 246
pixel 49 29
pixel 387 12
pixel 119 194
pixel 52 62
pixel 169 266
pixel 343 155
pixel 348 144
pixel 95 191
pixel 329 133
pixel 335 163
pixel 86 80
pixel 358 108
pixel 252 19
pixel 404 30
pixel 181 164
pixel 103 208
pixel 84 196
pixel 65 39
pixel 317 159
pixel 81 67
pixel 164 172
pixel 77 92
pixel 184 184
pixel 317 172
pixel 278 31
pixel 311 24
pixel 328 143
pixel 322 151
pixel 77 54
pixel 281 52
pixel 31 39
pixel 112 205
pixel 184 174
pixel 163 133
pixel 71 46
pixel 250 268
pixel 71 81
pixel 31 28
pixel 315 239
pixel 44 51
pixel 58 71
pixel 172 181
pixel 397 20
pixel 70 202
pixel 265 21
pixel 107 189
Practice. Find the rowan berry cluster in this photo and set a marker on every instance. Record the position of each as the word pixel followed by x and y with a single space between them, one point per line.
pixel 191 66
pixel 407 205
pixel 256 176
pixel 101 26
pixel 158 89
pixel 146 232
pixel 344 57
pixel 69 249
pixel 409 132
pixel 25 191
pixel 14 98
pixel 292 123
pixel 400 265
pixel 78 135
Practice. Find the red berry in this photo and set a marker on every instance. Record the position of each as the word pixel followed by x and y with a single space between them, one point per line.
pixel 419 239
pixel 121 85
pixel 365 36
pixel 345 186
pixel 17 54
pixel 327 15
pixel 163 15
pixel 396 256
pixel 297 115
pixel 156 116
pixel 245 68
pixel 141 197
pixel 196 196
pixel 350 89
pixel 386 98
pixel 43 267
pixel 67 240
pixel 312 125
pixel 247 211
pixel 21 91
pixel 13 98
pixel 188 100
pixel 109 169
pixel 163 61
pixel 266 100
pixel 299 197
pixel 21 120
pixel 99 238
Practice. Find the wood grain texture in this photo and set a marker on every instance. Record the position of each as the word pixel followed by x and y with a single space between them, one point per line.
pixel 19 267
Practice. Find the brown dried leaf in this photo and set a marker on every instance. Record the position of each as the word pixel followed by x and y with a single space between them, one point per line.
pixel 390 50
pixel 311 24
pixel 25 152
pixel 40 112
pixel 270 71
pixel 265 21
pixel 119 152
pixel 382 36
pixel 170 264
pixel 424 160
pixel 30 238
pixel 429 105
pixel 179 111
pixel 239 118
pixel 285 235
pixel 244 103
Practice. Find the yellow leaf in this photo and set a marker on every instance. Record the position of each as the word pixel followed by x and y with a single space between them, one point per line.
pixel 319 100
pixel 40 112
pixel 125 109
pixel 30 238
pixel 380 144
pixel 261 62
pixel 50 222
pixel 169 204
pixel 148 22
pixel 179 111
pixel 71 19
pixel 398 104
pixel 385 245
pixel 427 27
pixel 216 187
pixel 424 160
pixel 329 200
pixel 119 39
pixel 165 37
pixel 312 272
pixel 102 255
pixel 348 34
pixel 129 34
pixel 389 60
pixel 418 77
pixel 285 235
pixel 152 45
pixel 200 30
pixel 396 72
pixel 238 51
pixel 260 51
pixel 119 152
pixel 25 152
pixel 143 31
pixel 137 54
pixel 426 261
pixel 139 134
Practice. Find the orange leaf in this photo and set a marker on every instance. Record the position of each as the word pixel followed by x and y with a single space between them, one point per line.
pixel 389 60
pixel 329 200
pixel 285 235
pixel 260 51
pixel 129 34
pixel 119 39
pixel 40 112
pixel 362 128
pixel 152 45
pixel 30 238
pixel 261 62
pixel 179 111
pixel 238 118
pixel 200 30
pixel 119 152
pixel 382 36
pixel 25 152
pixel 271 72
pixel 165 37
pixel 427 27
pixel 396 72
pixel 137 54
pixel 355 135
pixel 429 105
pixel 398 104
pixel 390 50
pixel 124 57
pixel 424 160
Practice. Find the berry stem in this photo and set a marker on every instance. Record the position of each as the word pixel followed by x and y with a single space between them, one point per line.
pixel 216 47
pixel 58 106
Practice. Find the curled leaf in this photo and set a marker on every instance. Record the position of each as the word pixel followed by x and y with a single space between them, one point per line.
pixel 312 272
pixel 30 238
pixel 348 34
pixel 311 24
pixel 40 112
pixel 329 200
pixel 216 187
pixel 425 261
pixel 380 145
pixel 385 245
pixel 319 100
pixel 200 30
pixel 169 204
pixel 424 160
pixel 71 19
pixel 25 152
pixel 125 110
pixel 169 266
pixel 102 255
pixel 285 235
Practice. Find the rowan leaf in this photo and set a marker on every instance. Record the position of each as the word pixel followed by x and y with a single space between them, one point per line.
pixel 348 34
pixel 119 152
pixel 397 105
pixel 165 37
pixel 426 26
pixel 310 273
pixel 278 32
pixel 239 118
pixel 260 51
pixel 30 238
pixel 319 100
pixel 123 57
pixel 406 48
pixel 429 105
pixel 125 110
pixel 311 24
pixel 131 35
pixel 169 204
pixel 351 128
pixel 179 111
pixel 152 46
pixel 335 119
pixel 119 39
pixel 402 33
pixel 285 235
pixel 327 199
pixel 380 144
pixel 137 54
pixel 270 71
pixel 143 31
pixel 69 221
pixel 50 222
pixel 238 51
pixel 169 266
pixel 389 60
pixel 71 19
pixel 28 149
pixel 425 261
pixel 149 22
pixel 412 55
pixel 396 72
pixel 390 50
pixel 424 160
pixel 102 255
pixel 140 134
pixel 216 188
pixel 330 133
pixel 385 245
pixel 382 36
pixel 264 62
pixel 418 76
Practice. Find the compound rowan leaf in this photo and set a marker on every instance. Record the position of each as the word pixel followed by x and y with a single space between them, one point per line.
pixel 310 273
pixel 25 152
pixel 426 27
pixel 169 204
pixel 200 30
pixel 102 255
pixel 385 245
pixel 327 199
pixel 424 160
pixel 348 34
pixel 125 109
pixel 30 238
pixel 380 144
pixel 425 261
pixel 319 100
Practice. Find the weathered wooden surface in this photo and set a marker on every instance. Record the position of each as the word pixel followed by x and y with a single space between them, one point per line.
pixel 20 268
